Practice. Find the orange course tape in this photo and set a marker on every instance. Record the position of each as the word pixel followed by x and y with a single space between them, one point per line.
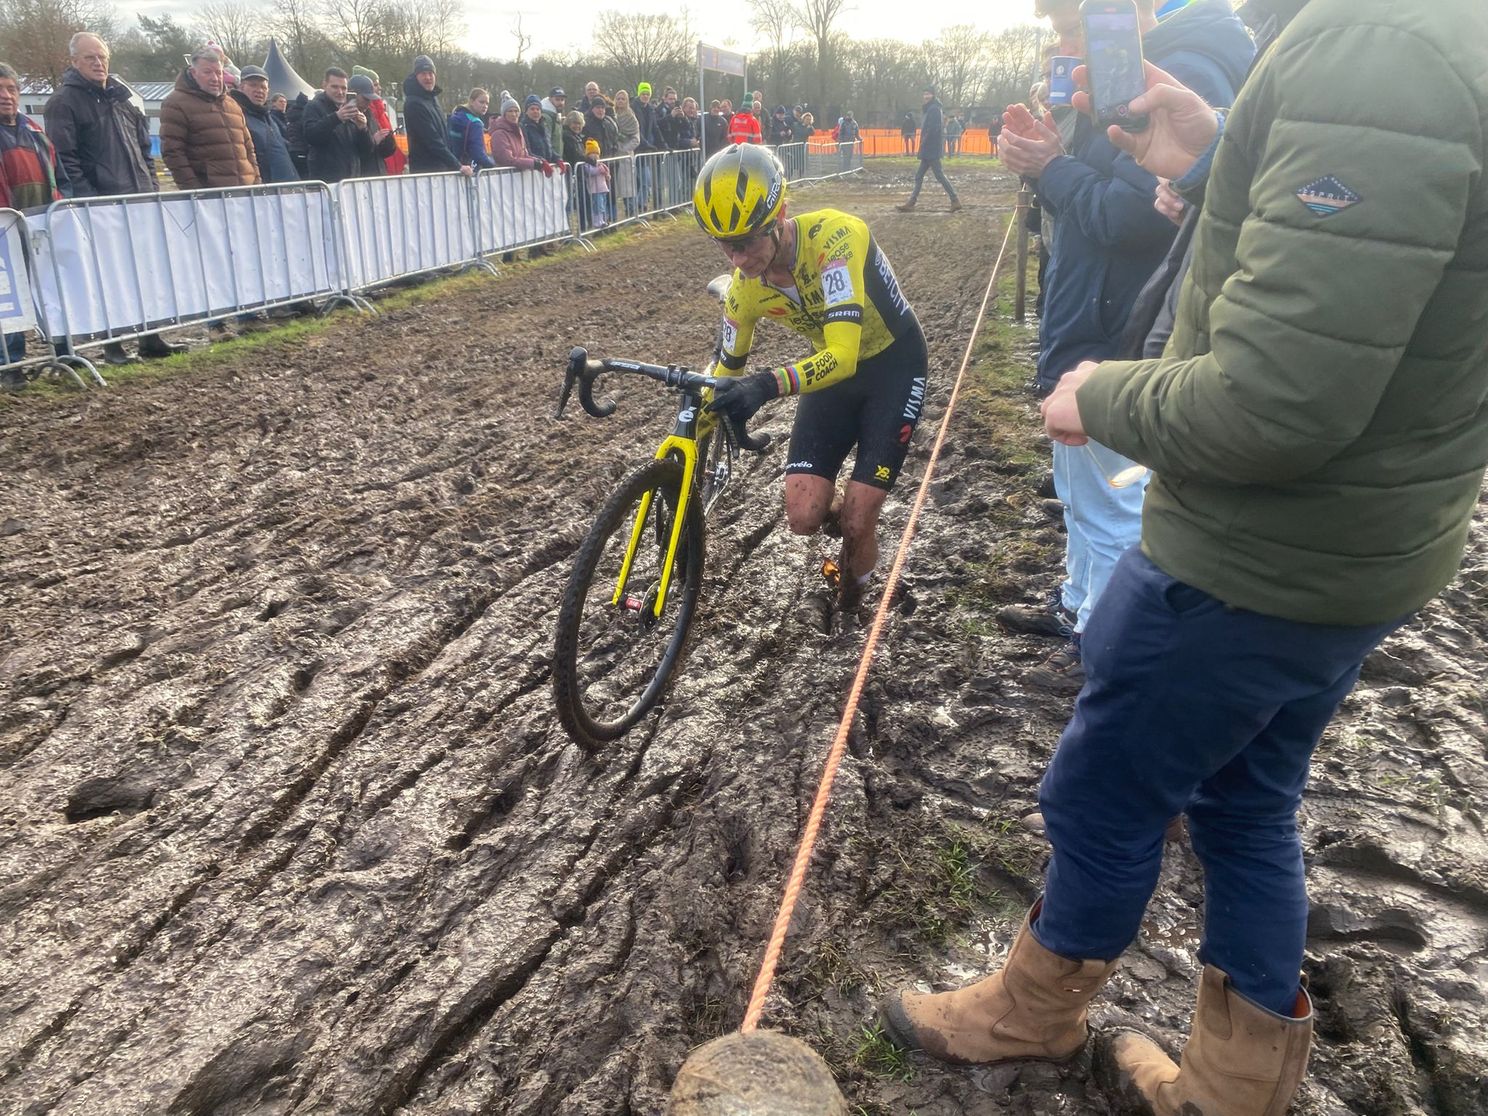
pixel 839 744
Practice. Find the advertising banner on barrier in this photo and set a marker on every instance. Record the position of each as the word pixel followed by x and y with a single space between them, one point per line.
pixel 17 311
pixel 519 207
pixel 404 225
pixel 116 266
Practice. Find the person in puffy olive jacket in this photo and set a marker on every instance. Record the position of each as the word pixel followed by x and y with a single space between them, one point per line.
pixel 1317 429
pixel 204 138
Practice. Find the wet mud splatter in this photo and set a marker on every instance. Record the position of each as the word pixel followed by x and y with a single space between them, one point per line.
pixel 289 825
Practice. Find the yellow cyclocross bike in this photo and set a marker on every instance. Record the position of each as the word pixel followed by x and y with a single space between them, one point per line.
pixel 634 587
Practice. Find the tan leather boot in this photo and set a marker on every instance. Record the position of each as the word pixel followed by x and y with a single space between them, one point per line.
pixel 1034 1007
pixel 1241 1060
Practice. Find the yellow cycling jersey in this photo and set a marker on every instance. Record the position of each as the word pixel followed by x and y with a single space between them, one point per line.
pixel 847 303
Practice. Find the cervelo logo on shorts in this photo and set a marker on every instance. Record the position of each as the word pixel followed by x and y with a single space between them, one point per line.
pixel 886 273
pixel 799 465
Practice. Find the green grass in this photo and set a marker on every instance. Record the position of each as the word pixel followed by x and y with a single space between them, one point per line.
pixel 876 1053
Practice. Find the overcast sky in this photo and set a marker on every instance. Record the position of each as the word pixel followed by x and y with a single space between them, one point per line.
pixel 565 26
pixel 568 27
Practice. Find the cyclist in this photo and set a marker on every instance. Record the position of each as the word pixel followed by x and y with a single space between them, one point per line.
pixel 822 275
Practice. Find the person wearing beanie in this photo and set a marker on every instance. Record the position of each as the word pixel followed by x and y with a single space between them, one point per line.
pixel 932 151
pixel 600 127
pixel 535 132
pixel 467 131
pixel 509 143
pixel 425 124
pixel 779 129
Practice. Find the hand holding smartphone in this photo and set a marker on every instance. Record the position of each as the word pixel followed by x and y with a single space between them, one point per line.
pixel 1113 61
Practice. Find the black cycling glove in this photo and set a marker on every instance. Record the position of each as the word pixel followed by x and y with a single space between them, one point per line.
pixel 740 396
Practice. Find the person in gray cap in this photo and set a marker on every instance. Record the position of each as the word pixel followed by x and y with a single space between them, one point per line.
pixel 337 133
pixel 425 124
pixel 269 148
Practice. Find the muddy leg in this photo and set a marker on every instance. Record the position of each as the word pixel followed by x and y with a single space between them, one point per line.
pixel 860 507
pixel 807 501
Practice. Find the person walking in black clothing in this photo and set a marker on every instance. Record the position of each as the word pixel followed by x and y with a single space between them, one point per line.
pixel 428 149
pixel 932 150
pixel 907 132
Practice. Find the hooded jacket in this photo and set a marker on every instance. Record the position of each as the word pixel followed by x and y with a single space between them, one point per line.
pixel 204 139
pixel 269 148
pixel 340 149
pixel 424 125
pixel 1318 424
pixel 102 140
pixel 1108 239
pixel 466 137
pixel 552 118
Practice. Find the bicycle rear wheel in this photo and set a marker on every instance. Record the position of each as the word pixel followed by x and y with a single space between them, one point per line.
pixel 612 659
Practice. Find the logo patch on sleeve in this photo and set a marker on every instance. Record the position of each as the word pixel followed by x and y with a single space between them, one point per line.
pixel 1327 196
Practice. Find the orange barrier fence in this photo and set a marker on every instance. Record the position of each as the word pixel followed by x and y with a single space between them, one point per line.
pixel 888 141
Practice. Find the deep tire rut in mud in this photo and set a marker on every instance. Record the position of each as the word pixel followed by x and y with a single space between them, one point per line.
pixel 290 825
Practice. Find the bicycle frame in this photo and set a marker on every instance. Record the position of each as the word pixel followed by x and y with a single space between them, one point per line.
pixel 683 440
pixel 692 424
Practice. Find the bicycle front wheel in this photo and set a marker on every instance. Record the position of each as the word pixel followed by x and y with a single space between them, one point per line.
pixel 613 655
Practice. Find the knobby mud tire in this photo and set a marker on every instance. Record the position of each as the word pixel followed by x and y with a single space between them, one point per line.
pixel 664 478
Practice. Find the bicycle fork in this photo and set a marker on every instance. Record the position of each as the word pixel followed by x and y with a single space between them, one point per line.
pixel 683 442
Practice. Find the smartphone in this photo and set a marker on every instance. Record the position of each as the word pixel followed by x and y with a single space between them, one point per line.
pixel 1062 79
pixel 1113 61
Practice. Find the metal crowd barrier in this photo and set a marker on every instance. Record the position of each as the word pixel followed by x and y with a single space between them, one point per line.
pixel 123 267
pixel 111 269
pixel 22 313
pixel 520 209
pixel 826 158
pixel 397 226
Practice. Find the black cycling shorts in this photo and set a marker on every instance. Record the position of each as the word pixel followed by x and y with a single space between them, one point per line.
pixel 877 407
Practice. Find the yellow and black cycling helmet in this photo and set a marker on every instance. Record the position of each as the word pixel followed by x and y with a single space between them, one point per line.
pixel 740 191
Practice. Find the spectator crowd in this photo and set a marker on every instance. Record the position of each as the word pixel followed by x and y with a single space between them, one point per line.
pixel 222 127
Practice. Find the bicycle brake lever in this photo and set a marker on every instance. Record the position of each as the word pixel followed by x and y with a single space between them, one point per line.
pixel 744 439
pixel 592 370
pixel 576 360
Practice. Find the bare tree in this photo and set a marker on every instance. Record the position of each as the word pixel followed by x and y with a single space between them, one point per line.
pixel 816 18
pixel 234 26
pixel 34 33
pixel 776 21
pixel 1013 63
pixel 956 61
pixel 643 47
pixel 524 40
pixel 354 24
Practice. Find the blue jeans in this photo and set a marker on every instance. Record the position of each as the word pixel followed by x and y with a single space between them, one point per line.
pixel 1101 523
pixel 1192 707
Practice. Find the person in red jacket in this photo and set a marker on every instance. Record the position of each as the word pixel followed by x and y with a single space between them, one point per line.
pixel 744 127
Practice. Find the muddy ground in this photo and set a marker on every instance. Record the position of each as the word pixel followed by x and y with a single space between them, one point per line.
pixel 289 825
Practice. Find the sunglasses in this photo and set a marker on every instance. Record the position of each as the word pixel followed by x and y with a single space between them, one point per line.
pixel 743 243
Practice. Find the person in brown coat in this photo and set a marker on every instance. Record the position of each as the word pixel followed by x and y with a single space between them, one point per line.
pixel 204 138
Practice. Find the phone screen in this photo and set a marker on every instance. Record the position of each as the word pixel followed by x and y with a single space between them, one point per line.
pixel 1113 45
